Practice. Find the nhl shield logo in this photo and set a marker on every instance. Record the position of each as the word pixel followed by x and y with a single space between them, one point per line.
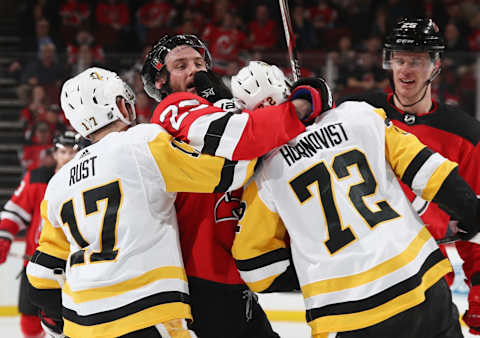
pixel 409 119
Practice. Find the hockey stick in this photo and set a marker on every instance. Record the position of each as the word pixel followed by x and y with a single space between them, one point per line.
pixel 290 38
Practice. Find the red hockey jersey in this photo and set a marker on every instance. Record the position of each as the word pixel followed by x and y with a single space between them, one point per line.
pixel 22 211
pixel 207 222
pixel 452 133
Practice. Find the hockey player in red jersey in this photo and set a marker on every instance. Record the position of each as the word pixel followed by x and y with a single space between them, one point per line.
pixel 177 74
pixel 413 53
pixel 22 212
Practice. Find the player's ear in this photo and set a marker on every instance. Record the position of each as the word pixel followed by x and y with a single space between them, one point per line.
pixel 122 107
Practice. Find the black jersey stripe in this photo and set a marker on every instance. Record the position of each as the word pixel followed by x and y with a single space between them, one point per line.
pixel 214 134
pixel 226 177
pixel 268 258
pixel 415 165
pixel 379 298
pixel 126 310
pixel 48 261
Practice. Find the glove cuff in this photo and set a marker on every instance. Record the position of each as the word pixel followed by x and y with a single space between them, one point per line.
pixel 311 94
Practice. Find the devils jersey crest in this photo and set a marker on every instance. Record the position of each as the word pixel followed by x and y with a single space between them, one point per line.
pixel 229 207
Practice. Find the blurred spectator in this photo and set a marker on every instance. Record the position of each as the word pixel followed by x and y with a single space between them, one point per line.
pixel 379 26
pixel 225 42
pixel 132 75
pixel 42 36
pixel 322 15
pixel 45 70
pixel 84 60
pixel 456 49
pixel 263 31
pixel 187 27
pixel 54 117
pixel 143 107
pixel 35 108
pixel 85 38
pixel 154 19
pixel 303 28
pixel 365 75
pixel 74 14
pixel 344 59
pixel 34 151
pixel 474 37
pixel 113 20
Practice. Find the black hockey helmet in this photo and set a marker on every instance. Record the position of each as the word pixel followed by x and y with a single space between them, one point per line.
pixel 67 139
pixel 155 61
pixel 415 35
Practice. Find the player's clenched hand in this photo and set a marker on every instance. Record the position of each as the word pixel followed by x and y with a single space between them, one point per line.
pixel 4 249
pixel 317 92
pixel 210 87
pixel 472 315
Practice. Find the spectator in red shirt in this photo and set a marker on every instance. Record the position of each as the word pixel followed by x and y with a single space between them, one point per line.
pixel 113 20
pixel 84 37
pixel 154 19
pixel 263 31
pixel 74 14
pixel 225 42
pixel 35 108
pixel 34 151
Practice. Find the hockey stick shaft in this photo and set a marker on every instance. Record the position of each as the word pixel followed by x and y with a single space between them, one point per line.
pixel 290 39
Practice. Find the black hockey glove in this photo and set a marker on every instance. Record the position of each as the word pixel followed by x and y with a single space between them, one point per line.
pixel 315 90
pixel 210 86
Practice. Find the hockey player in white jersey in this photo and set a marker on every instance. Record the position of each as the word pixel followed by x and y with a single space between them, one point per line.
pixel 109 259
pixel 366 264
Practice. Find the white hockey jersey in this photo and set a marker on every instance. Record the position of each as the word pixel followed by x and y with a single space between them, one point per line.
pixel 360 251
pixel 110 222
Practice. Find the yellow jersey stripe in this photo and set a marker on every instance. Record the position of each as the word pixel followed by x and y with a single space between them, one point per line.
pixel 52 240
pixel 347 282
pixel 436 180
pixel 142 319
pixel 400 149
pixel 355 321
pixel 181 170
pixel 263 284
pixel 170 272
pixel 43 283
pixel 270 233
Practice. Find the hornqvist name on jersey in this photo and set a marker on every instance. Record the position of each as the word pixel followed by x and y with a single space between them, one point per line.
pixel 307 146
pixel 82 170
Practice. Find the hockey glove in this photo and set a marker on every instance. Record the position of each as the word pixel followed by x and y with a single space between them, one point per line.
pixel 316 91
pixel 210 87
pixel 53 327
pixel 472 315
pixel 4 249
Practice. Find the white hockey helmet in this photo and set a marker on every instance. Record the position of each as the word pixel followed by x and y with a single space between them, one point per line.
pixel 89 100
pixel 259 84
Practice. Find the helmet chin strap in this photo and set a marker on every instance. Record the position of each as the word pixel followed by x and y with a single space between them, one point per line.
pixel 432 77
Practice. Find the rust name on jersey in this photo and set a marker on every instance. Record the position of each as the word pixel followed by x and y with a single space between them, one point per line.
pixel 321 138
pixel 82 170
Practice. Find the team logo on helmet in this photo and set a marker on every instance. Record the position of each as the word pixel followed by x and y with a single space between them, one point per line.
pixel 96 76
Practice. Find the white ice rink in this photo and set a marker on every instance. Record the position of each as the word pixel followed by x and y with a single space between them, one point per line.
pixel 279 307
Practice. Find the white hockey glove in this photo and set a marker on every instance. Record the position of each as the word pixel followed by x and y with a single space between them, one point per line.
pixel 260 84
